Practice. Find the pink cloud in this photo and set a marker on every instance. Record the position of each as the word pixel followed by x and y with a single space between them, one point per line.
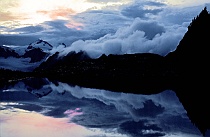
pixel 72 113
pixel 58 12
pixel 31 124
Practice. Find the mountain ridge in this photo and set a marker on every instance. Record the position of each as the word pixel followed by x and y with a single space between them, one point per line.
pixel 26 57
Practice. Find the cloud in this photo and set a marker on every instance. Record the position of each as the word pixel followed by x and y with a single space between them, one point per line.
pixel 55 32
pixel 141 128
pixel 60 12
pixel 28 107
pixel 155 3
pixel 173 124
pixel 62 31
pixel 177 15
pixel 101 22
pixel 149 109
pixel 142 9
pixel 133 39
pixel 16 39
pixel 6 6
pixel 7 16
pixel 21 64
pixel 150 28
pixel 103 1
pixel 28 29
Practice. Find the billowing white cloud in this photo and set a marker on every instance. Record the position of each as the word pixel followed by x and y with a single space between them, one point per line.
pixel 142 9
pixel 185 3
pixel 139 37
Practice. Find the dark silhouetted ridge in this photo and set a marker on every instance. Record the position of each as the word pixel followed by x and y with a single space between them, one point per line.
pixel 7 52
pixel 192 54
pixel 56 62
pixel 35 54
pixel 191 60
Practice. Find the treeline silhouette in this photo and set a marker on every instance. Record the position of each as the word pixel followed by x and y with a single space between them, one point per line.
pixel 8 76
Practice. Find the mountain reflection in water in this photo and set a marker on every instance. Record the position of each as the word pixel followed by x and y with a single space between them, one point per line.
pixel 38 107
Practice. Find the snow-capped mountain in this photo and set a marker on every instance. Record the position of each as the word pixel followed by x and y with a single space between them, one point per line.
pixel 24 58
pixel 37 51
pixel 41 44
pixel 28 57
pixel 45 46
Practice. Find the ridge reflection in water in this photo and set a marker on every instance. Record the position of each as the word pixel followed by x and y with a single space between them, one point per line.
pixel 38 107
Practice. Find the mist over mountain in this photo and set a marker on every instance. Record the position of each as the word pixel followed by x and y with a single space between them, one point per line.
pixel 24 58
pixel 6 52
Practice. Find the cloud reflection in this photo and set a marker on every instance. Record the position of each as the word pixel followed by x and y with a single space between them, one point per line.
pixel 32 124
pixel 98 112
pixel 72 113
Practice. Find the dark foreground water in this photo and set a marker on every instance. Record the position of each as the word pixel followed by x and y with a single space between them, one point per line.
pixel 40 108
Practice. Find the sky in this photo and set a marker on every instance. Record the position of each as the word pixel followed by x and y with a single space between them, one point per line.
pixel 96 26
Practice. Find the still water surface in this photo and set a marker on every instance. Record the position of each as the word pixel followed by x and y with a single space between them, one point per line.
pixel 38 107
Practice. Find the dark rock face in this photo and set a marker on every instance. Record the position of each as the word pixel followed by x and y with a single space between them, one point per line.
pixel 55 61
pixel 191 56
pixel 35 54
pixel 40 42
pixel 36 51
pixel 7 52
